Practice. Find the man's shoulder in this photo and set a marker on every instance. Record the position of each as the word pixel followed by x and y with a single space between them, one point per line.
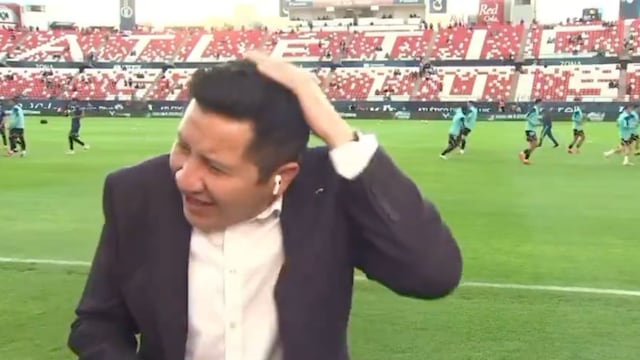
pixel 315 164
pixel 147 175
pixel 316 154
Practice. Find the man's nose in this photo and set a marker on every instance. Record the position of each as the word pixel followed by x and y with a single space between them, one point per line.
pixel 189 176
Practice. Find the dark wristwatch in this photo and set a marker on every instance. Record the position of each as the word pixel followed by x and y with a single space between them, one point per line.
pixel 356 135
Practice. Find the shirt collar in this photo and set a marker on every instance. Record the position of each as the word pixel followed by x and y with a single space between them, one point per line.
pixel 273 210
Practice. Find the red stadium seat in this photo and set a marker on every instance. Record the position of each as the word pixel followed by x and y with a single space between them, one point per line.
pixel 397 40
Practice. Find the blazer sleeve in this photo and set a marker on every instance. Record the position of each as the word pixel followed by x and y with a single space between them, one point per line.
pixel 401 239
pixel 103 328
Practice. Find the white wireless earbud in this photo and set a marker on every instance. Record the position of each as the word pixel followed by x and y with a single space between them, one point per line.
pixel 276 188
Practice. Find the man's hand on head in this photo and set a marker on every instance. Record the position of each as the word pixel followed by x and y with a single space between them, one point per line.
pixel 319 113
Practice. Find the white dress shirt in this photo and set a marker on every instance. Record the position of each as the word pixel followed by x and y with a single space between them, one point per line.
pixel 232 276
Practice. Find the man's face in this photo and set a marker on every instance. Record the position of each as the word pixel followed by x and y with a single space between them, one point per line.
pixel 218 181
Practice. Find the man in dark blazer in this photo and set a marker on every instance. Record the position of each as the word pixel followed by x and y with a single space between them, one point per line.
pixel 241 195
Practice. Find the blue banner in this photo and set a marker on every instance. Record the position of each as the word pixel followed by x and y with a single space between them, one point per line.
pixel 572 61
pixel 594 111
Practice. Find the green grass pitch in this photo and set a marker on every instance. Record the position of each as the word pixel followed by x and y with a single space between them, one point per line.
pixel 567 221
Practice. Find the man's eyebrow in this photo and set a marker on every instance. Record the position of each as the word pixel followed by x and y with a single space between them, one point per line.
pixel 213 162
pixel 216 163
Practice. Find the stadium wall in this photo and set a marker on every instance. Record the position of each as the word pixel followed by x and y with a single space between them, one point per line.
pixel 603 111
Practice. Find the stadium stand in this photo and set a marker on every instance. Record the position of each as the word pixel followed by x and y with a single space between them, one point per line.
pixel 393 39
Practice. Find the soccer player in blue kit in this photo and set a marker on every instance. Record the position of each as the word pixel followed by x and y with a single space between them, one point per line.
pixel 16 129
pixel 577 120
pixel 532 121
pixel 635 139
pixel 469 124
pixel 457 123
pixel 76 113
pixel 625 129
pixel 3 134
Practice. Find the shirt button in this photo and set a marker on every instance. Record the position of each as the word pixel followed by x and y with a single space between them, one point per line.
pixel 232 325
pixel 232 271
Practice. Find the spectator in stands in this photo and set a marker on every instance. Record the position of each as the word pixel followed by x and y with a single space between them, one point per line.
pixel 239 149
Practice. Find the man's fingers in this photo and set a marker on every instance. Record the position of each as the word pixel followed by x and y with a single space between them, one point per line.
pixel 264 64
pixel 256 56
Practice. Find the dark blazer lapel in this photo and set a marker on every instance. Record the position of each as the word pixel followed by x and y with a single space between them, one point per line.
pixel 170 265
pixel 302 202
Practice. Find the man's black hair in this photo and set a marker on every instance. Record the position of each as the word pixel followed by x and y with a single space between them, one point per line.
pixel 236 89
pixel 538 101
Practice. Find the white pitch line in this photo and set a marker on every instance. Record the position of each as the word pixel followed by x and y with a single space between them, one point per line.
pixel 11 260
pixel 567 289
pixel 551 288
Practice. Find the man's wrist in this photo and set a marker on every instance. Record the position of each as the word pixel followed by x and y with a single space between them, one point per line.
pixel 341 137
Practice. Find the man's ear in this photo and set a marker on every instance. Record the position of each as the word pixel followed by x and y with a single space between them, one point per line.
pixel 283 177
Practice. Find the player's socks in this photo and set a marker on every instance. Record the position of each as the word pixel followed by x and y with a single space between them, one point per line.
pixel 23 144
pixel 13 146
pixel 448 150
pixel 626 160
pixel 523 158
pixel 463 145
pixel 577 149
pixel 610 152
pixel 527 154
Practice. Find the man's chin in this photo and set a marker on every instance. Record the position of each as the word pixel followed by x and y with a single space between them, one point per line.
pixel 202 222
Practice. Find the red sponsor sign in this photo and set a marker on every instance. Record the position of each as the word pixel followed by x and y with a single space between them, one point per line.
pixel 491 11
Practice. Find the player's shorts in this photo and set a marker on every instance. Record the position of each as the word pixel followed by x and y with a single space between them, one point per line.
pixel 635 137
pixel 577 132
pixel 628 141
pixel 74 133
pixel 531 135
pixel 465 131
pixel 16 132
